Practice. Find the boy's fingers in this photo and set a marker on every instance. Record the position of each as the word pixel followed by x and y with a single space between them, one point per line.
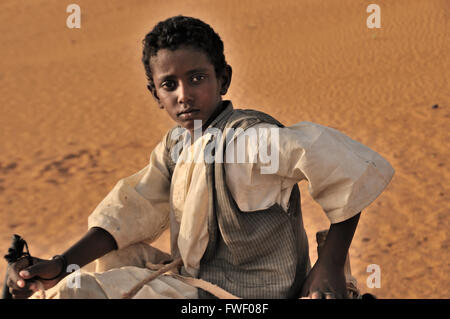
pixel 316 295
pixel 33 286
pixel 20 283
pixel 19 294
pixel 17 283
pixel 14 269
pixel 23 287
pixel 329 295
pixel 14 281
pixel 32 271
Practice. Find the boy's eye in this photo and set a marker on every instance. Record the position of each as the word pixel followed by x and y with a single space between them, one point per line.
pixel 168 85
pixel 197 78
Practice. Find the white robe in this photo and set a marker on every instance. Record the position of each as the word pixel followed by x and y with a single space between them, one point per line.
pixel 344 177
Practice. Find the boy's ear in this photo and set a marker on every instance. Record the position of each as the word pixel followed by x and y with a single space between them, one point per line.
pixel 155 95
pixel 226 79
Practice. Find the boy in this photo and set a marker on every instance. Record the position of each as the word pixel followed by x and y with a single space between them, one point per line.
pixel 235 223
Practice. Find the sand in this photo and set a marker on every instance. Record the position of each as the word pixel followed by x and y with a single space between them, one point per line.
pixel 76 116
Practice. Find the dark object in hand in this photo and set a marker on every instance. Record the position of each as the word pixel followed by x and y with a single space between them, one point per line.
pixel 14 253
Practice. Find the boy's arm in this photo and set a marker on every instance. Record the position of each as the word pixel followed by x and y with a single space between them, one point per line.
pixel 142 197
pixel 327 279
pixel 94 244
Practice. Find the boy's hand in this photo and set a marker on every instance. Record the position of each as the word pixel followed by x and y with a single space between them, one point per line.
pixel 325 282
pixel 327 278
pixel 22 278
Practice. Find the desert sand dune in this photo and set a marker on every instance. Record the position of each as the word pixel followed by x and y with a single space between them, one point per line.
pixel 76 116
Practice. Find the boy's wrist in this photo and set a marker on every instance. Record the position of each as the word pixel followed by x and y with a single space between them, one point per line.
pixel 335 249
pixel 332 259
pixel 63 262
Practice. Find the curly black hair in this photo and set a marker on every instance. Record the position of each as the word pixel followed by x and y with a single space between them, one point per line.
pixel 182 31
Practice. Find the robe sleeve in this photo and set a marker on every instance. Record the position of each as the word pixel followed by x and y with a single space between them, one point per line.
pixel 137 208
pixel 344 176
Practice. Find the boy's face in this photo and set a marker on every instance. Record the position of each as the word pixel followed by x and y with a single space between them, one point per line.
pixel 186 85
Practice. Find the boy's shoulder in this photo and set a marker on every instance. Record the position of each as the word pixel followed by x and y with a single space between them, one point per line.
pixel 251 114
pixel 247 118
pixel 229 118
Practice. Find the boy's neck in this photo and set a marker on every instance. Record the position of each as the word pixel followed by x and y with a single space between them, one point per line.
pixel 222 105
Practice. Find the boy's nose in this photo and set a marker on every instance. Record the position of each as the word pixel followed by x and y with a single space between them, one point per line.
pixel 184 94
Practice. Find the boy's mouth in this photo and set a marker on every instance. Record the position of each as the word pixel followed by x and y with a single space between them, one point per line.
pixel 188 114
